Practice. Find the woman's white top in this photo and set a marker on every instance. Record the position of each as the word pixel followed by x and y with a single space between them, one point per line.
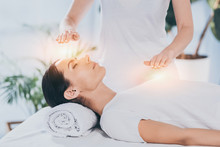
pixel 181 103
pixel 132 31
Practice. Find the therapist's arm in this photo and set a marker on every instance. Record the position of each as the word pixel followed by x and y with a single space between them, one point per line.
pixel 158 132
pixel 72 19
pixel 183 15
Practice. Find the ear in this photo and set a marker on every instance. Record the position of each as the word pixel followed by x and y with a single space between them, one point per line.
pixel 71 93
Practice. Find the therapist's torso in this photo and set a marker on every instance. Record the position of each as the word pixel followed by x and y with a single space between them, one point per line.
pixel 132 31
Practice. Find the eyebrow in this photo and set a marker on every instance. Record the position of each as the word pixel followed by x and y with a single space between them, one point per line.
pixel 70 62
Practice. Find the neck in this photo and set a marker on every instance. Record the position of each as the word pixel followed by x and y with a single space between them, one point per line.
pixel 98 98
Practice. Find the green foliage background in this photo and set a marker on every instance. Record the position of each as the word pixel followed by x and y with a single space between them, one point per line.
pixel 19 85
pixel 215 24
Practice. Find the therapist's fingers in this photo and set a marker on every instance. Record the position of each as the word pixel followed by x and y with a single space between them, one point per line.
pixel 61 38
pixel 157 62
pixel 68 36
pixel 64 37
pixel 147 63
pixel 152 61
pixel 75 36
pixel 58 38
pixel 162 62
pixel 168 61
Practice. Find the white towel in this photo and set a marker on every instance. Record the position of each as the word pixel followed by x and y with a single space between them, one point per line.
pixel 70 120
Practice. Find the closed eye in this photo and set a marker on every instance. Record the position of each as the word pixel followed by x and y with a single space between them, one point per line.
pixel 74 65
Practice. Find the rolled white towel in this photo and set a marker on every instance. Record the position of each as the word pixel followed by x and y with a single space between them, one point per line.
pixel 70 120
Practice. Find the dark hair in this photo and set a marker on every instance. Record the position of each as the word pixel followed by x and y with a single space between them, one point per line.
pixel 54 85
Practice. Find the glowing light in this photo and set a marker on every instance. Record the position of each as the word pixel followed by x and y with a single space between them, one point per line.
pixel 67 50
pixel 158 76
pixel 54 50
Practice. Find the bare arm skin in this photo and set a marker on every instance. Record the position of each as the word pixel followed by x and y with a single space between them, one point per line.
pixel 183 15
pixel 78 10
pixel 70 22
pixel 158 132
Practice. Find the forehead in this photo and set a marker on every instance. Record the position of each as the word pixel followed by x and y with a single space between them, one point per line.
pixel 62 64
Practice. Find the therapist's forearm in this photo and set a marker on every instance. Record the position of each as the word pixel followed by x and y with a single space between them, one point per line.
pixel 77 11
pixel 182 39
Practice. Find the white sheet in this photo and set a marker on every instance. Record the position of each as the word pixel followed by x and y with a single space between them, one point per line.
pixel 185 104
pixel 31 133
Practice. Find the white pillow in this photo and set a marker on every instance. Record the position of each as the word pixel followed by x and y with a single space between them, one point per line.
pixel 70 120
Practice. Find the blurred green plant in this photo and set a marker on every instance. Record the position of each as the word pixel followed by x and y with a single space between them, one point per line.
pixel 215 17
pixel 213 21
pixel 170 18
pixel 21 86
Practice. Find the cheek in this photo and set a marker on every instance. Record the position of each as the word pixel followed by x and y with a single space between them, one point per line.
pixel 93 80
pixel 97 78
pixel 85 80
pixel 89 80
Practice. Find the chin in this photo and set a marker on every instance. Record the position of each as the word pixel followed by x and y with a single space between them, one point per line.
pixel 104 71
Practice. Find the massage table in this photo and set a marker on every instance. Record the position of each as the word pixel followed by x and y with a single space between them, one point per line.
pixel 32 133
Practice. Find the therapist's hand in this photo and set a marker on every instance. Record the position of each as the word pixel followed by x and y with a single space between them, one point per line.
pixel 67 35
pixel 162 59
pixel 67 31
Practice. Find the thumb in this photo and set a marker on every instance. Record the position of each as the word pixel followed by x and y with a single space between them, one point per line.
pixel 147 63
pixel 75 36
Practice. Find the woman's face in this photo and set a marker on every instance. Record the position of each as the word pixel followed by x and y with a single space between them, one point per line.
pixel 83 74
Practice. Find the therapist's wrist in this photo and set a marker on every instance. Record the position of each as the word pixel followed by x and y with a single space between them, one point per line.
pixel 67 24
pixel 171 52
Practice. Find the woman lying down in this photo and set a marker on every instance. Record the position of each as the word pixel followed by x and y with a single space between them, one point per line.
pixel 158 111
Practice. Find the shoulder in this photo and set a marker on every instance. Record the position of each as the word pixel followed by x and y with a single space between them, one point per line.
pixel 109 117
pixel 121 125
pixel 109 121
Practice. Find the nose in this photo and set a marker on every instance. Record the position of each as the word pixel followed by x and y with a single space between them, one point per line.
pixel 87 58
